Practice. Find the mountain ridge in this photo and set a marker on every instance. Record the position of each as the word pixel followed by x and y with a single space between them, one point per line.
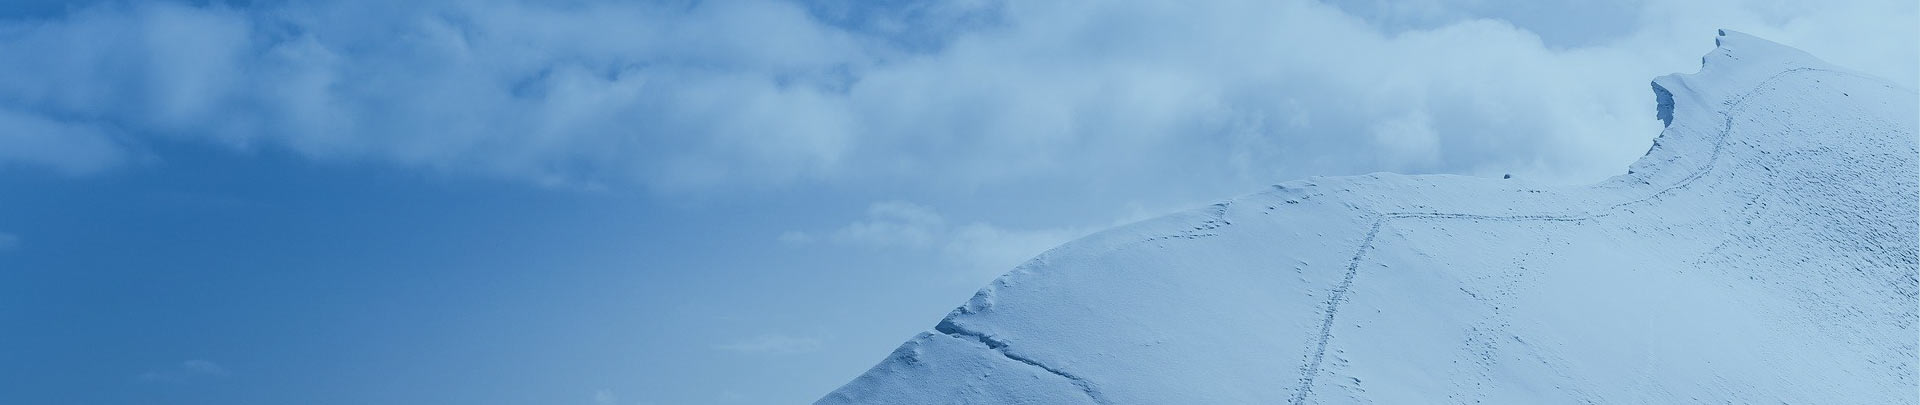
pixel 1093 320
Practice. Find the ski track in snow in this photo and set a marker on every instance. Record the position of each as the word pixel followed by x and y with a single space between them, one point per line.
pixel 1310 369
pixel 1339 294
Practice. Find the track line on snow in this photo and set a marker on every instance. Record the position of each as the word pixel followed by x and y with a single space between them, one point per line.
pixel 1333 307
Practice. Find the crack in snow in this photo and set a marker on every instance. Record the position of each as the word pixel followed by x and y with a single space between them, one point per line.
pixel 955 330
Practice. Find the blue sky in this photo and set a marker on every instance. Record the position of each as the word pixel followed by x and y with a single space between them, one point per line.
pixel 616 202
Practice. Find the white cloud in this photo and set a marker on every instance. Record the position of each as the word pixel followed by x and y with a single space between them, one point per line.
pixel 1409 138
pixel 772 344
pixel 189 370
pixel 1108 95
pixel 9 241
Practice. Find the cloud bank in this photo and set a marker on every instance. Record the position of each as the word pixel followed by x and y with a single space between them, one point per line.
pixel 772 344
pixel 679 95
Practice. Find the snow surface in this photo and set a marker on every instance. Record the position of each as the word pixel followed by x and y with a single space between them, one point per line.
pixel 1764 250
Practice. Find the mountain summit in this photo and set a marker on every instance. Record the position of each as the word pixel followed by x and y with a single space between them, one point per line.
pixel 1764 250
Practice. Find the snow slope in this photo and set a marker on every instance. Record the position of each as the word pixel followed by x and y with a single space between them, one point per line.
pixel 1764 250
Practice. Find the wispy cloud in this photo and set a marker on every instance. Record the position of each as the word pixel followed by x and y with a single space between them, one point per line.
pixel 190 370
pixel 70 148
pixel 9 241
pixel 772 344
pixel 972 246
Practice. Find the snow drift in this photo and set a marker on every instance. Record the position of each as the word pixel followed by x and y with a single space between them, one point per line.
pixel 1764 250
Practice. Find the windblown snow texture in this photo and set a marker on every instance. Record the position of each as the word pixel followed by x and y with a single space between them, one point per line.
pixel 1763 251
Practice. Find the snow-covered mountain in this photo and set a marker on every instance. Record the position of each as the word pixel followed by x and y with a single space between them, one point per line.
pixel 1763 251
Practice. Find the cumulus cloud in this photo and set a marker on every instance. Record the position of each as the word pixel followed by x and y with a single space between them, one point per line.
pixel 189 370
pixel 970 246
pixel 772 344
pixel 677 95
